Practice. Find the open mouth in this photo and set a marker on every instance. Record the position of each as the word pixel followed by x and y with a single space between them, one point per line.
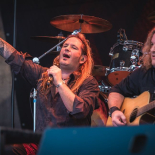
pixel 66 55
pixel 153 56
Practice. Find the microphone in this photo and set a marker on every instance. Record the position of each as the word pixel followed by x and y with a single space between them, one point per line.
pixel 50 79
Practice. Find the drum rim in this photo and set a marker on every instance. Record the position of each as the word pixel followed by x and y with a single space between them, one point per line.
pixel 132 41
pixel 127 42
pixel 120 69
pixel 104 88
pixel 129 69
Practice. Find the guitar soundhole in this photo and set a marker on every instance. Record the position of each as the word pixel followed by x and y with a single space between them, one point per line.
pixel 133 115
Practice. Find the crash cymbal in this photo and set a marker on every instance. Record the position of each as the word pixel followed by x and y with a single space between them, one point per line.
pixel 99 70
pixel 88 24
pixel 151 17
pixel 48 38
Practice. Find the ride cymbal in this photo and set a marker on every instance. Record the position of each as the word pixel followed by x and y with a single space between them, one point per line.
pixel 48 38
pixel 88 24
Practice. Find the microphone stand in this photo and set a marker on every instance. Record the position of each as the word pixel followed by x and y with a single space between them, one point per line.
pixel 36 60
pixel 13 76
pixel 34 95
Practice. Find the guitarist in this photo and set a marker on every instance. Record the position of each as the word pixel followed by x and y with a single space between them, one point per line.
pixel 140 80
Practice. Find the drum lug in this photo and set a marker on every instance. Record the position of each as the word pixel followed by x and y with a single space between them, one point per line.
pixel 125 48
pixel 134 56
pixel 132 68
pixel 107 71
pixel 104 88
pixel 111 53
pixel 122 63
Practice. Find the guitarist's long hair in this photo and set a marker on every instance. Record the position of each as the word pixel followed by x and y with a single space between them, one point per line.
pixel 146 50
pixel 83 72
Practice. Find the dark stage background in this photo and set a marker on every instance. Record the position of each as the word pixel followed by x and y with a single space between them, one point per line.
pixel 33 19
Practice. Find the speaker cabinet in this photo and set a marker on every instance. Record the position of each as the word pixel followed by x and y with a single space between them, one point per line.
pixel 127 140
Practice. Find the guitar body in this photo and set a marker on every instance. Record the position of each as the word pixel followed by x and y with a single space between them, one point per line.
pixel 130 104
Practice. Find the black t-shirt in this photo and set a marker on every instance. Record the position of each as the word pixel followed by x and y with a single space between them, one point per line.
pixel 136 83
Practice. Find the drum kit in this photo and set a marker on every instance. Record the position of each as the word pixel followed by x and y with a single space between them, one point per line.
pixel 125 54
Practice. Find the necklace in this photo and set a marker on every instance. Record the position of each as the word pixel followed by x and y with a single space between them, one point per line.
pixel 65 79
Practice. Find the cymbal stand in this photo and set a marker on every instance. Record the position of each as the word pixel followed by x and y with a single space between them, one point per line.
pixel 81 21
pixel 59 47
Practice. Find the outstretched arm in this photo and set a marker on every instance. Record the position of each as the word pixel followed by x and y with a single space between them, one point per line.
pixel 6 49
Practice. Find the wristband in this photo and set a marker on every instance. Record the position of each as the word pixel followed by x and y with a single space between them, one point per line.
pixel 58 85
pixel 112 109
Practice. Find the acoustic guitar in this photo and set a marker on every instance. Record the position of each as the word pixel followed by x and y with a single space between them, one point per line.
pixel 135 110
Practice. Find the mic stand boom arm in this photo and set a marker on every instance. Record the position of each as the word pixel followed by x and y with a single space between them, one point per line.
pixel 36 60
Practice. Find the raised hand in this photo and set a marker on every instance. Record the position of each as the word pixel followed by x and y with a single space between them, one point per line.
pixel 6 49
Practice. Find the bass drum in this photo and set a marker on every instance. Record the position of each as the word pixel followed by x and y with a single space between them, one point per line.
pixel 100 115
pixel 124 60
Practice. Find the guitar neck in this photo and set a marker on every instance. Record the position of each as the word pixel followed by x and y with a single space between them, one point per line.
pixel 146 108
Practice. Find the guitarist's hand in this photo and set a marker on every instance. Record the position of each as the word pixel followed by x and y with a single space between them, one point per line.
pixel 118 118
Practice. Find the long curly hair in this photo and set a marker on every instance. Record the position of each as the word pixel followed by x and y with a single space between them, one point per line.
pixel 146 50
pixel 83 71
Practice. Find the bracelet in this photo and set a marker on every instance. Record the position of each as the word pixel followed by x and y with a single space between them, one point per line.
pixel 58 85
pixel 112 109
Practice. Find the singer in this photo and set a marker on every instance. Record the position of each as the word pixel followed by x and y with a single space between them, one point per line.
pixel 67 94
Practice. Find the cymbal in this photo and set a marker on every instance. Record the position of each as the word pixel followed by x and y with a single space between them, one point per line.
pixel 99 70
pixel 48 38
pixel 88 24
pixel 151 17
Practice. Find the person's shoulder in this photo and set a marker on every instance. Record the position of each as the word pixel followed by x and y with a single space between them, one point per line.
pixel 90 83
pixel 140 70
pixel 91 79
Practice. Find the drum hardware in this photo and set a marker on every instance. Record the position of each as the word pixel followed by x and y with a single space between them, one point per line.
pixel 112 48
pixel 125 48
pixel 87 24
pixel 110 54
pixel 134 57
pixel 121 35
pixel 124 59
pixel 133 67
pixel 127 45
pixel 104 88
pixel 122 63
pixel 107 70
